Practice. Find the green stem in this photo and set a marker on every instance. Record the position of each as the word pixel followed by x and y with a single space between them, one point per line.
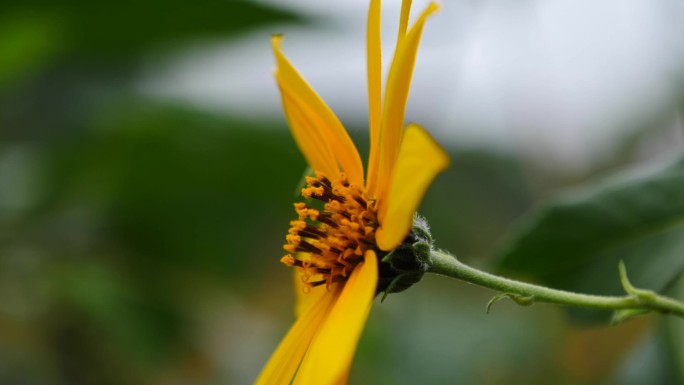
pixel 634 302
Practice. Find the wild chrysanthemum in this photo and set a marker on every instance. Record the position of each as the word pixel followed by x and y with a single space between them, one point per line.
pixel 335 245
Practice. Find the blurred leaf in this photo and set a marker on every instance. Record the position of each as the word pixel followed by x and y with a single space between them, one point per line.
pixel 182 187
pixel 107 30
pixel 26 42
pixel 483 191
pixel 576 241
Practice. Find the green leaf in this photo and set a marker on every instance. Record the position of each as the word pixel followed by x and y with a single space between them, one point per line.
pixel 575 242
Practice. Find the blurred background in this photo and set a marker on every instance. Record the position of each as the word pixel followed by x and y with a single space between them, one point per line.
pixel 147 179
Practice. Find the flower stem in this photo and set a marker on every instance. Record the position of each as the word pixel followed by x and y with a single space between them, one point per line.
pixel 636 301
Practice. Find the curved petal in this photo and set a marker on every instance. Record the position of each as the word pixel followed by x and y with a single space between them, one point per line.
pixel 420 160
pixel 304 300
pixel 374 63
pixel 323 119
pixel 310 141
pixel 283 364
pixel 332 349
pixel 396 94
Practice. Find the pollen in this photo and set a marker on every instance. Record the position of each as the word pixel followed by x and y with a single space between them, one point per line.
pixel 327 242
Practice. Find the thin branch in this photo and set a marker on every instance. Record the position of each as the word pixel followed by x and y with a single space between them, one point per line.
pixel 636 301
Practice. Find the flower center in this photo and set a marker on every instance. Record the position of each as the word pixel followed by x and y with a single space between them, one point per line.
pixel 327 243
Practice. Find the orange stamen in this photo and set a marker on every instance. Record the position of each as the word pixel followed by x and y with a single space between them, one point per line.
pixel 326 245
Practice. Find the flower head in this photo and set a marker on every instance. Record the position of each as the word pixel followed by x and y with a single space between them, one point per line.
pixel 334 245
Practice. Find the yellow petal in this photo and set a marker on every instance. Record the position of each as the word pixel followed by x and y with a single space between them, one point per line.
pixel 283 364
pixel 310 141
pixel 420 160
pixel 305 299
pixel 374 60
pixel 396 94
pixel 322 119
pixel 403 21
pixel 332 349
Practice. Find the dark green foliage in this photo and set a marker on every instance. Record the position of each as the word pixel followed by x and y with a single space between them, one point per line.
pixel 120 30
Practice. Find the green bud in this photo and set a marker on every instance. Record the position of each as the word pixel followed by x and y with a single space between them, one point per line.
pixel 404 266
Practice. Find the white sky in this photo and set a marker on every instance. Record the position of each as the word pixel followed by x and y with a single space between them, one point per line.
pixel 557 79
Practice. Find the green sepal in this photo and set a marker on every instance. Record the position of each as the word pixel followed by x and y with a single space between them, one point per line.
pixel 405 266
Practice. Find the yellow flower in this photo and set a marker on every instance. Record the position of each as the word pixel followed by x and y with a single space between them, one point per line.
pixel 335 246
